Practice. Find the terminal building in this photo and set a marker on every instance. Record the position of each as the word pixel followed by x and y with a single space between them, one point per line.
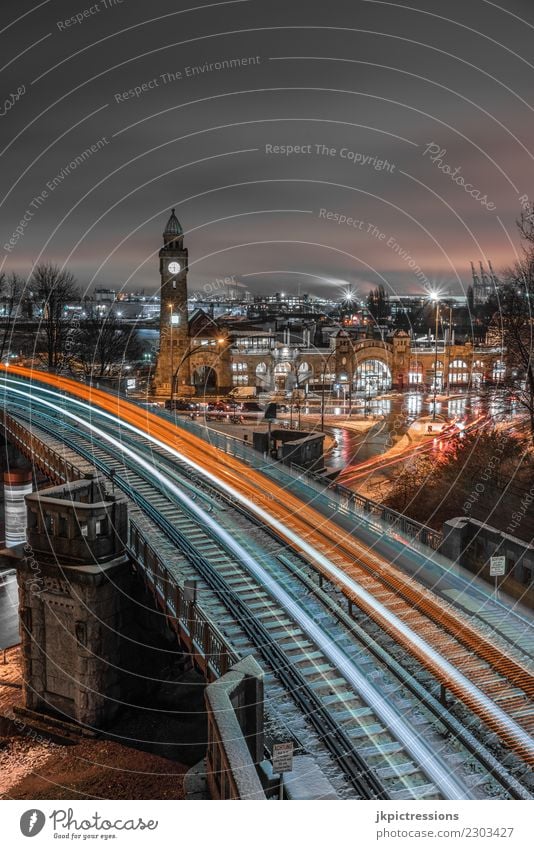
pixel 214 355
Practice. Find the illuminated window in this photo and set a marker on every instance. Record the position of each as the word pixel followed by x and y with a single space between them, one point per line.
pixel 372 376
pixel 415 372
pixel 458 372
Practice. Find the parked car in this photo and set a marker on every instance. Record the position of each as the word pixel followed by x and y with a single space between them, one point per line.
pixel 239 392
pixel 181 405
pixel 251 407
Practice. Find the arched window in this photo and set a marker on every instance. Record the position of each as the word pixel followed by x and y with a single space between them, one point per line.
pixel 458 372
pixel 262 376
pixel 415 372
pixel 240 374
pixel 304 374
pixel 372 376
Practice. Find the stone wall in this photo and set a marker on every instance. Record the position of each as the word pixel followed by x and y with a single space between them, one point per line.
pixel 235 732
pixel 72 626
pixel 76 602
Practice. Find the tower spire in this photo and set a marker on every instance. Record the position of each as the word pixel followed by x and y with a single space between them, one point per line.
pixel 173 229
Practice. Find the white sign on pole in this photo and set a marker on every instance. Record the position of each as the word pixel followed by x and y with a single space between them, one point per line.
pixel 497 566
pixel 282 757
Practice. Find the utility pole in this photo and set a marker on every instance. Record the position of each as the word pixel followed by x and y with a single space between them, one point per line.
pixel 172 357
pixel 325 365
pixel 436 360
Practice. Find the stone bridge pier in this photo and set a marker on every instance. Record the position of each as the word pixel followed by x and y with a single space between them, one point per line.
pixel 75 602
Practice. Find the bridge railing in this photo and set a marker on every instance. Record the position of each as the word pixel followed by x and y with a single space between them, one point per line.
pixel 49 461
pixel 360 504
pixel 208 646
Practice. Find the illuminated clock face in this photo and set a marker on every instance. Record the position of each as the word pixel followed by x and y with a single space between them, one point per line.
pixel 174 267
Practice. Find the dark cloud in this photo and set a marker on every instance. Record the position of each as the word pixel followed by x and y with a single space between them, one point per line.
pixel 379 81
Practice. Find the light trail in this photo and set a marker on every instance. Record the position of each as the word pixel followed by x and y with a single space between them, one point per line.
pixel 436 770
pixel 477 700
pixel 376 464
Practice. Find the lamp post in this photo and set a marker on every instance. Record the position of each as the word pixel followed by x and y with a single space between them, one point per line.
pixel 446 360
pixel 332 352
pixel 435 298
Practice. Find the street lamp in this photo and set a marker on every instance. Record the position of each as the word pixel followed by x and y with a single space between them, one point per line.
pixel 446 359
pixel 434 297
pixel 325 366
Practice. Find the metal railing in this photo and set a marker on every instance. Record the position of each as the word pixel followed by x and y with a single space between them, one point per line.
pixel 206 644
pixel 361 505
pixel 50 461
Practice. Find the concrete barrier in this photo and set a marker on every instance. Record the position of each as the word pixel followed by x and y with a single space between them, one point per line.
pixel 235 732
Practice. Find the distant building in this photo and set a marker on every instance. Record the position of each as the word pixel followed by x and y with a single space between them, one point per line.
pixel 485 284
pixel 215 354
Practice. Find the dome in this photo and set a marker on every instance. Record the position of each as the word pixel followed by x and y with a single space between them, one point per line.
pixel 173 227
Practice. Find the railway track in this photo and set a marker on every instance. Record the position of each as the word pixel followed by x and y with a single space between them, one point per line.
pixel 490 682
pixel 491 670
pixel 503 623
pixel 300 568
pixel 345 722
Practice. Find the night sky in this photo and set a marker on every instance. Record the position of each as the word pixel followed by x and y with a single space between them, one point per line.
pixel 373 84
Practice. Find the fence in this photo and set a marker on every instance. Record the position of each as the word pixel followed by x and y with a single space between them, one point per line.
pixel 51 461
pixel 208 647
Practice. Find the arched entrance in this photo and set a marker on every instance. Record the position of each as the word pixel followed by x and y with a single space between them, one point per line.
pixel 436 381
pixel 477 374
pixel 415 373
pixel 281 372
pixel 372 376
pixel 205 379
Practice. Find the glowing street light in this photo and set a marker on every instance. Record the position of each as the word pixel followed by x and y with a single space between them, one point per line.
pixel 435 298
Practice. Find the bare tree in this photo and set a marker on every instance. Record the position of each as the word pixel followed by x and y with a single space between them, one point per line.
pixel 104 344
pixel 55 289
pixel 484 474
pixel 11 289
pixel 514 322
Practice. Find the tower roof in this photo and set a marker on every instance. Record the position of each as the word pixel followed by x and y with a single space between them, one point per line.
pixel 173 226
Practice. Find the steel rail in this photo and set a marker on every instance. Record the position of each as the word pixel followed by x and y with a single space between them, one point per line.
pixel 333 737
pixel 472 696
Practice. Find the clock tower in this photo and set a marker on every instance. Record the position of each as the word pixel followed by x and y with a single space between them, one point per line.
pixel 173 322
